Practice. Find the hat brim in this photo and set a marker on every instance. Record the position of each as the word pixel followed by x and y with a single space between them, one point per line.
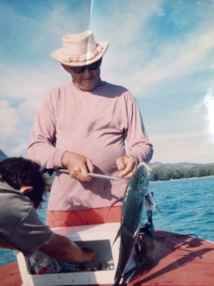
pixel 58 56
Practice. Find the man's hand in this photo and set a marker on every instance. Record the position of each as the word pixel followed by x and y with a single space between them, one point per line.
pixel 127 165
pixel 78 166
pixel 89 254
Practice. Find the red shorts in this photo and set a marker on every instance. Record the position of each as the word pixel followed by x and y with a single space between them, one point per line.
pixel 84 217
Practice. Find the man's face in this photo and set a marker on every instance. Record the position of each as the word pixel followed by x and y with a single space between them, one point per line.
pixel 87 77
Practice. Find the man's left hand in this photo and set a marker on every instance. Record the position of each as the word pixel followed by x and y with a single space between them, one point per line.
pixel 127 165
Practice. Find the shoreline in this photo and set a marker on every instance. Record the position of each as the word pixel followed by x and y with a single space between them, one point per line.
pixel 191 178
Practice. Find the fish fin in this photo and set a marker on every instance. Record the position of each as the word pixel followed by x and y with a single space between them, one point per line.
pixel 118 234
pixel 157 209
pixel 149 198
pixel 117 200
pixel 129 274
pixel 136 232
pixel 117 282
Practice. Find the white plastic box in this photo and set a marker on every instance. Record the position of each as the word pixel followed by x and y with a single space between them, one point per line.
pixel 98 237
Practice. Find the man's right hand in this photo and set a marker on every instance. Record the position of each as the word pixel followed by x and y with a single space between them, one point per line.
pixel 78 166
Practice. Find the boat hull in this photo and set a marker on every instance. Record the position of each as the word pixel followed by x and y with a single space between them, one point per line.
pixel 177 260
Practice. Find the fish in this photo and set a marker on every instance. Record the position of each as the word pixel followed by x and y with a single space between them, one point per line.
pixel 132 209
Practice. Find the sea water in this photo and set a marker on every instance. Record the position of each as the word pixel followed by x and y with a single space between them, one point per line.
pixel 187 207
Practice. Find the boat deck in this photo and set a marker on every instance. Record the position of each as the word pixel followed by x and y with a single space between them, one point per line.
pixel 177 260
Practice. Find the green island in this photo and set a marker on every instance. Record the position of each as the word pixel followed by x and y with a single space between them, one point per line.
pixel 163 172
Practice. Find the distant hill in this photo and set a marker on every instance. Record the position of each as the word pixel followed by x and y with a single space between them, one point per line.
pixel 2 155
pixel 183 164
pixel 162 171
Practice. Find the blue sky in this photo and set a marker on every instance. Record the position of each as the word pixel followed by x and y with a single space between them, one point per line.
pixel 162 50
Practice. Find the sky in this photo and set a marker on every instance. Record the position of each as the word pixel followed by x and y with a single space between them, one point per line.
pixel 161 50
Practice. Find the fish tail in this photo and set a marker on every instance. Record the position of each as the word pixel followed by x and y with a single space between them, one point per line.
pixel 116 283
pixel 117 278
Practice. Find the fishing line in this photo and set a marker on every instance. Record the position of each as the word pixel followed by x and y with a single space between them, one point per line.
pixel 184 247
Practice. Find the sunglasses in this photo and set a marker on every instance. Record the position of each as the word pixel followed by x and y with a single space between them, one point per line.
pixel 91 67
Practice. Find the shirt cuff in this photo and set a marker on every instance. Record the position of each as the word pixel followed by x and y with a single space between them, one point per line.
pixel 57 158
pixel 134 158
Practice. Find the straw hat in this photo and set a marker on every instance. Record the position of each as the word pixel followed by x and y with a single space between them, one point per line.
pixel 80 49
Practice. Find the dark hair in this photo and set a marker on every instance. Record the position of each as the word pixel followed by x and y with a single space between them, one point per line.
pixel 19 172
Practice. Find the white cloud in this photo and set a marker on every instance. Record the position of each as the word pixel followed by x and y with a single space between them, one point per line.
pixel 179 58
pixel 206 107
pixel 178 136
pixel 11 128
pixel 8 118
pixel 183 147
pixel 15 125
pixel 25 81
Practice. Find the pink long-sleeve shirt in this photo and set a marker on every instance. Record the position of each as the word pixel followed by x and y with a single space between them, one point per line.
pixel 94 124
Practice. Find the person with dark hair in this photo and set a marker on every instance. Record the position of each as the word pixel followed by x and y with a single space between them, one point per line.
pixel 22 186
pixel 20 172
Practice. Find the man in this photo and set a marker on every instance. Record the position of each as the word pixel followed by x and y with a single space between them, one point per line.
pixel 83 127
pixel 22 187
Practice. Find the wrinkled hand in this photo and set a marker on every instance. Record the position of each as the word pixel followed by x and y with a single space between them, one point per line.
pixel 78 166
pixel 89 253
pixel 127 165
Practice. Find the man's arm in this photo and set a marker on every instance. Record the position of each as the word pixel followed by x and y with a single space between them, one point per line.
pixel 27 233
pixel 62 248
pixel 138 144
pixel 43 135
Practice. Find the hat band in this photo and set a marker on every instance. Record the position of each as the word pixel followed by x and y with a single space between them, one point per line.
pixel 83 58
